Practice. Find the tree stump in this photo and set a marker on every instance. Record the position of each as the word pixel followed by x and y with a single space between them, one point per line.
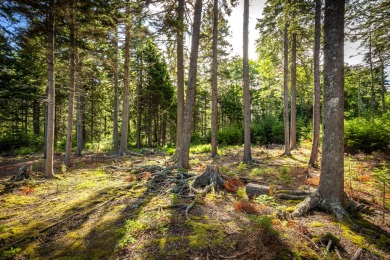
pixel 23 173
pixel 210 176
pixel 254 190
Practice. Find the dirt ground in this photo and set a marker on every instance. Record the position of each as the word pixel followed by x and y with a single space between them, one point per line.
pixel 133 207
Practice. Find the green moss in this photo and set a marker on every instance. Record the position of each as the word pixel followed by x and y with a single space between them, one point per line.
pixel 315 224
pixel 355 238
pixel 205 235
pixel 241 193
pixel 384 241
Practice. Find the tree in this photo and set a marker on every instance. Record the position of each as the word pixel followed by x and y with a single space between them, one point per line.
pixel 72 84
pixel 330 196
pixel 51 92
pixel 214 87
pixel 247 107
pixel 180 74
pixel 126 85
pixel 191 88
pixel 285 93
pixel 317 97
pixel 293 129
pixel 331 187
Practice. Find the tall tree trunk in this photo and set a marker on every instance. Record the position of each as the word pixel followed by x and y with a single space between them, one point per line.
pixel 116 90
pixel 183 160
pixel 285 94
pixel 72 85
pixel 79 112
pixel 36 117
pixel 126 81
pixel 51 93
pixel 383 90
pixel 214 87
pixel 293 130
pixel 180 75
pixel 372 96
pixel 331 186
pixel 317 90
pixel 139 97
pixel 247 98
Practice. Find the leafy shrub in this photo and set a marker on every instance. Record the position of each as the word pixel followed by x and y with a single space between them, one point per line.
pixel 365 136
pixel 267 130
pixel 21 144
pixel 231 136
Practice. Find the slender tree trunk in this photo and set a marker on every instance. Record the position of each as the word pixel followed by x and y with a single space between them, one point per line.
pixel 79 112
pixel 331 186
pixel 183 160
pixel 359 95
pixel 317 90
pixel 372 98
pixel 293 130
pixel 116 90
pixel 180 75
pixel 72 86
pixel 247 98
pixel 139 97
pixel 51 93
pixel 36 117
pixel 285 95
pixel 126 81
pixel 214 87
pixel 383 92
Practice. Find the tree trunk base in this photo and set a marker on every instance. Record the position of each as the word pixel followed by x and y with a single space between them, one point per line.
pixel 316 202
pixel 208 179
pixel 23 173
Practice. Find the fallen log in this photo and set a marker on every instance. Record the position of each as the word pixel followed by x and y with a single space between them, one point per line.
pixel 254 190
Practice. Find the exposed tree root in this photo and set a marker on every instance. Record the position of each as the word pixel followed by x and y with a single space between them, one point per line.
pixel 333 207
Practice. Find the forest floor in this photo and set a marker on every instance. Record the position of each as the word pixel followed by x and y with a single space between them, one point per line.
pixel 108 207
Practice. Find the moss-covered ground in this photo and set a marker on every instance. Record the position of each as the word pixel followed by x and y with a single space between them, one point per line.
pixel 105 207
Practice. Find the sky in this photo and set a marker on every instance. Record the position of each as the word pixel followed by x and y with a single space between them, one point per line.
pixel 351 50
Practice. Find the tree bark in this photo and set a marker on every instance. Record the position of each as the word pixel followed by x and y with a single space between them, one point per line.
pixel 51 93
pixel 247 102
pixel 180 75
pixel 79 113
pixel 285 94
pixel 138 100
pixel 36 117
pixel 183 160
pixel 72 85
pixel 116 90
pixel 214 88
pixel 331 186
pixel 317 90
pixel 372 96
pixel 293 130
pixel 383 92
pixel 126 95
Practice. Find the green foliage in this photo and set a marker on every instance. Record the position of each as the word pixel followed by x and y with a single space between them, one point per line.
pixel 231 173
pixel 267 130
pixel 196 149
pixel 265 223
pixel 11 252
pixel 266 200
pixel 21 144
pixel 366 136
pixel 285 175
pixel 242 167
pixel 241 193
pixel 129 231
pixel 231 136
